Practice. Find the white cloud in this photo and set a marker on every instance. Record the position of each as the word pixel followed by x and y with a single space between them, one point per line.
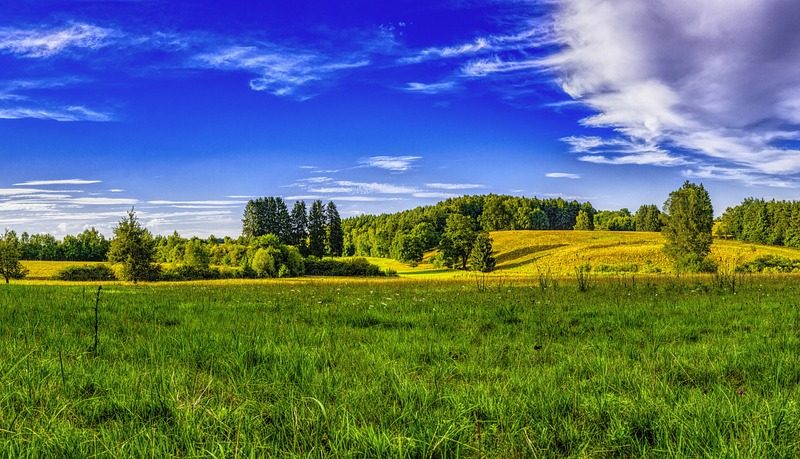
pixel 280 71
pixel 430 88
pixel 46 42
pixel 565 175
pixel 454 186
pixel 434 195
pixel 100 201
pixel 116 190
pixel 373 187
pixel 201 203
pixel 717 80
pixel 391 163
pixel 58 182
pixel 71 113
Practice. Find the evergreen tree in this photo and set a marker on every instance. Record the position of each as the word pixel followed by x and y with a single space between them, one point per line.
pixel 316 230
pixel 480 258
pixel 648 218
pixel 283 223
pixel 539 220
pixel 10 253
pixel 134 247
pixel 334 230
pixel 254 220
pixel 690 219
pixel 299 226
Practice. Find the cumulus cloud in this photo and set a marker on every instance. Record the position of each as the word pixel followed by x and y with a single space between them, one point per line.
pixel 391 163
pixel 46 42
pixel 715 81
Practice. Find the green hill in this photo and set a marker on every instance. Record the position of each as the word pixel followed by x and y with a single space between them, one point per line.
pixel 527 253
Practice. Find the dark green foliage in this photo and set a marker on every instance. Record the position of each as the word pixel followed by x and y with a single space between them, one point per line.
pixel 539 220
pixel 335 242
pixel 10 253
pixel 317 235
pixel 648 218
pixel 298 236
pixel 481 258
pixel 689 221
pixel 770 264
pixel 89 245
pixel 762 222
pixel 372 235
pixel 408 249
pixel 358 267
pixel 133 246
pixel 457 241
pixel 268 215
pixel 86 273
pixel 583 222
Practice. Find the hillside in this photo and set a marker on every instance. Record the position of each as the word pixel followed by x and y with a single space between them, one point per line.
pixel 529 252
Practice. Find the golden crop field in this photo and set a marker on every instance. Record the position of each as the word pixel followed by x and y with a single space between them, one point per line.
pixel 527 253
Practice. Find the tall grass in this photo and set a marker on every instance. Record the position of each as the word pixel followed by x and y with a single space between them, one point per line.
pixel 402 369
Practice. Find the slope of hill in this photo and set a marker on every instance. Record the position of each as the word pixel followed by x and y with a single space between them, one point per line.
pixel 530 252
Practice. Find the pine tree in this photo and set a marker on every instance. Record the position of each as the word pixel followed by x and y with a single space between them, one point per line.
pixel 480 258
pixel 134 247
pixel 299 226
pixel 316 230
pixel 334 230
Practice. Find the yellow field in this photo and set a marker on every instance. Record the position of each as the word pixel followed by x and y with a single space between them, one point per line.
pixel 38 270
pixel 527 253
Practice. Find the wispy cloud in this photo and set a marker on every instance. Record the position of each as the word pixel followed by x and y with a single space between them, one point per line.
pixel 391 163
pixel 454 186
pixel 562 175
pixel 430 88
pixel 46 42
pixel 58 182
pixel 201 203
pixel 373 187
pixel 433 195
pixel 70 113
pixel 279 71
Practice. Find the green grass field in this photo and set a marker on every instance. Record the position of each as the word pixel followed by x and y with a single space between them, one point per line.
pixel 401 368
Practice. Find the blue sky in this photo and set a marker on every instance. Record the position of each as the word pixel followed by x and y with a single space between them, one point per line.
pixel 186 109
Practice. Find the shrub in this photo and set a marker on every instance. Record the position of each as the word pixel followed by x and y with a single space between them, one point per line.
pixel 352 267
pixel 769 264
pixel 186 272
pixel 86 273
pixel 619 268
pixel 695 264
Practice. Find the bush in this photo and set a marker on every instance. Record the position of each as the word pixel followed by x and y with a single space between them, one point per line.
pixel 769 264
pixel 86 273
pixel 620 268
pixel 186 272
pixel 693 263
pixel 353 267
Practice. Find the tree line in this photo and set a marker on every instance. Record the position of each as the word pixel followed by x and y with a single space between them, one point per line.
pixel 762 222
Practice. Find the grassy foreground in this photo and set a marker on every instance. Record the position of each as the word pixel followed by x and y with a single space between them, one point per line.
pixel 398 368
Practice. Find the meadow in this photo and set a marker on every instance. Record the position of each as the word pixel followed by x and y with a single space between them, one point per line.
pixel 402 368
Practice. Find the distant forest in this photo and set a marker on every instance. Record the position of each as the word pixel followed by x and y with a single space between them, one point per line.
pixel 318 230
